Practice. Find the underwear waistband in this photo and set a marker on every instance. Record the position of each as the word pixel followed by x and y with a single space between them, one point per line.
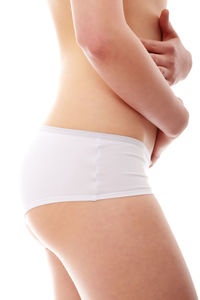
pixel 96 134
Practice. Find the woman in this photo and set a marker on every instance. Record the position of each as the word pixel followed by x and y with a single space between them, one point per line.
pixel 85 186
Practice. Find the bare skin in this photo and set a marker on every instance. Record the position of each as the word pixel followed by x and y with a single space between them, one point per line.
pixel 174 62
pixel 116 248
pixel 101 106
pixel 113 249
pixel 172 58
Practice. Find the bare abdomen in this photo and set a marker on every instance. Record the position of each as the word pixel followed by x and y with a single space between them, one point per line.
pixel 84 100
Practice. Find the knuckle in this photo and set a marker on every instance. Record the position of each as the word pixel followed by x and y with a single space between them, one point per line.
pixel 172 62
pixel 172 49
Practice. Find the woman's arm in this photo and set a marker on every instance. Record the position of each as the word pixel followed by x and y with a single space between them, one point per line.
pixel 161 142
pixel 121 60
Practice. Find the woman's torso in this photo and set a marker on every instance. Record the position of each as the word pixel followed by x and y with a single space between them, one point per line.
pixel 84 101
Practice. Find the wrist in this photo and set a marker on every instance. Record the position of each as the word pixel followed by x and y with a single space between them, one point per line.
pixel 162 141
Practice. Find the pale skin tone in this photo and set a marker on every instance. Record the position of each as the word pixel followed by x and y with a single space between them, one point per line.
pixel 174 61
pixel 171 57
pixel 147 220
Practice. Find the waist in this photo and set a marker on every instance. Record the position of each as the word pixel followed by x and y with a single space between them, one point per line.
pixel 84 101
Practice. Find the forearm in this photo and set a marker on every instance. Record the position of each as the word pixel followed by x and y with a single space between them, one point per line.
pixel 162 141
pixel 125 65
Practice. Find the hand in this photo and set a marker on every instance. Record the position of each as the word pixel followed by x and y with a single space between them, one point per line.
pixel 162 141
pixel 172 58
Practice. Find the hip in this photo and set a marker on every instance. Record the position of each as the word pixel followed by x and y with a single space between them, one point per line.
pixel 100 111
pixel 64 164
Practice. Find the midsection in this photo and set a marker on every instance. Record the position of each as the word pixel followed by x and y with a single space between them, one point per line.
pixel 84 100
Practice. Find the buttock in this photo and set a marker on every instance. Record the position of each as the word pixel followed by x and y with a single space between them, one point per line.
pixel 64 164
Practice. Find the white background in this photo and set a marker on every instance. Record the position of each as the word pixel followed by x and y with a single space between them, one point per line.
pixel 29 69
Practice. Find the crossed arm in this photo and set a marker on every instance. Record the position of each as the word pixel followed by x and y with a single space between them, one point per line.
pixel 172 58
pixel 119 57
pixel 174 62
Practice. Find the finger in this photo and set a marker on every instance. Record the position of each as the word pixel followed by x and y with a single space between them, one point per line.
pixel 165 25
pixel 159 60
pixel 153 160
pixel 164 71
pixel 152 163
pixel 154 45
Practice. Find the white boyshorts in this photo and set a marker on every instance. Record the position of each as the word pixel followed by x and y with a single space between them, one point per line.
pixel 64 164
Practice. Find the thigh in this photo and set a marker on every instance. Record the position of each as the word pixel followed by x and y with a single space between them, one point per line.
pixel 64 287
pixel 116 248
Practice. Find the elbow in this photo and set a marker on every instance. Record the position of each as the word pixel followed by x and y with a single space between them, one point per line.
pixel 98 46
pixel 179 126
pixel 102 43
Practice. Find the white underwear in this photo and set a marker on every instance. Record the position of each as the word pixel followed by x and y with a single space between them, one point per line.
pixel 65 164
